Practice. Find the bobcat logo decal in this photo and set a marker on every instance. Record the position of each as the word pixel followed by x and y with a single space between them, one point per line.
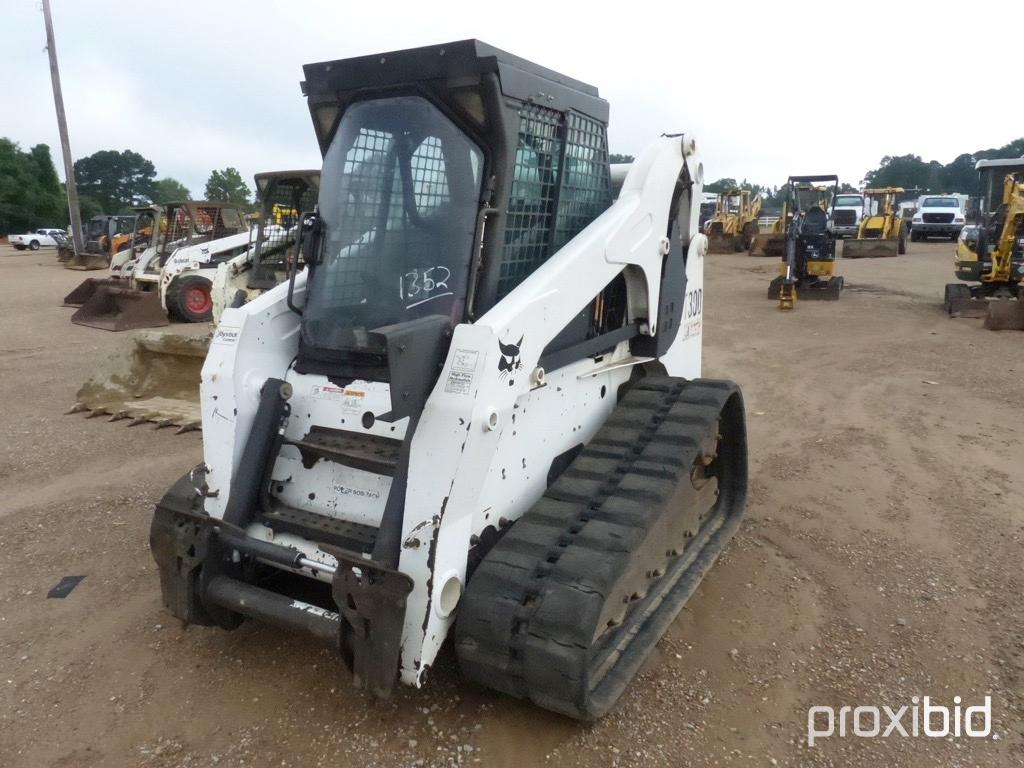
pixel 509 362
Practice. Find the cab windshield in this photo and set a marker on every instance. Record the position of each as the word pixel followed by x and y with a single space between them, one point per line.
pixel 940 202
pixel 399 195
pixel 849 201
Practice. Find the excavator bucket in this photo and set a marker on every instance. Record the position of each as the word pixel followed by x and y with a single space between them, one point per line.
pixel 112 308
pixel 156 380
pixel 1005 315
pixel 870 249
pixel 768 244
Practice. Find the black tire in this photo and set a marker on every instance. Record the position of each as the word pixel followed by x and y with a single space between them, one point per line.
pixel 901 247
pixel 33 245
pixel 914 236
pixel 954 236
pixel 182 299
pixel 19 247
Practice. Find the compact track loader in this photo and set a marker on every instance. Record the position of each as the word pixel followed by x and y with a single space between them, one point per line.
pixel 478 410
pixel 990 254
pixel 810 246
pixel 733 226
pixel 882 232
pixel 156 378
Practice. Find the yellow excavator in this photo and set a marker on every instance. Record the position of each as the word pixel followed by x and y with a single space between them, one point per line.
pixel 990 253
pixel 808 245
pixel 772 242
pixel 733 226
pixel 883 232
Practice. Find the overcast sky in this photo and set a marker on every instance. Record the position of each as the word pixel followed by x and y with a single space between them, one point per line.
pixel 768 89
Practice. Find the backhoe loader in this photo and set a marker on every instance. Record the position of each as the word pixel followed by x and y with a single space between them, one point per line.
pixel 810 245
pixel 990 253
pixel 733 225
pixel 478 411
pixel 155 378
pixel 882 231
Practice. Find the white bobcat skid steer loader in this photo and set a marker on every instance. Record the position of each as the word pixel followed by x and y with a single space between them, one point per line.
pixel 477 410
pixel 168 271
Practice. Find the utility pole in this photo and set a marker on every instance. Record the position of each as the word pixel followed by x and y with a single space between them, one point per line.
pixel 65 143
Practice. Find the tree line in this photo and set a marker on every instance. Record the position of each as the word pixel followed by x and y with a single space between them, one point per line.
pixel 908 171
pixel 108 181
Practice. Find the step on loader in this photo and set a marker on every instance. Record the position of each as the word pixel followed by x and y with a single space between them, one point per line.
pixel 478 410
pixel 810 245
pixel 990 253
pixel 882 232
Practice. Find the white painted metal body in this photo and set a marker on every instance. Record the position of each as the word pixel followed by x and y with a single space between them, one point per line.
pixel 487 435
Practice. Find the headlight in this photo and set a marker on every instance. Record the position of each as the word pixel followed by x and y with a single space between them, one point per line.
pixel 917 219
pixel 958 220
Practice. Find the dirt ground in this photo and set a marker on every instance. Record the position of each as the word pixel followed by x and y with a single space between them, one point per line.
pixel 881 559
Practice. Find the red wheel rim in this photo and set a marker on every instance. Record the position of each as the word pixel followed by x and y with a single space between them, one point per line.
pixel 198 300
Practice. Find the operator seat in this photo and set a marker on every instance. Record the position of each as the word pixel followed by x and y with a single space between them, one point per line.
pixel 815 221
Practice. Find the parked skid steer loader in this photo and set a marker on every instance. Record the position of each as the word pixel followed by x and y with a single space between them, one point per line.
pixel 104 237
pixel 810 245
pixel 478 409
pixel 168 272
pixel 882 232
pixel 156 378
pixel 733 226
pixel 990 253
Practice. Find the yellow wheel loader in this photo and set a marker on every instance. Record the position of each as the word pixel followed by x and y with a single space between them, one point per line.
pixel 990 253
pixel 155 378
pixel 733 226
pixel 882 232
pixel 478 413
pixel 809 249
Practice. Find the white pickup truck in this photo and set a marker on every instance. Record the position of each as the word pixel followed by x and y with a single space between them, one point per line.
pixel 40 238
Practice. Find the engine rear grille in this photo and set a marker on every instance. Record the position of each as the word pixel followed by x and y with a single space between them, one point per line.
pixel 844 218
pixel 937 218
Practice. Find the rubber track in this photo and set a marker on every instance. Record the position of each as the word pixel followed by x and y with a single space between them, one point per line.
pixel 567 604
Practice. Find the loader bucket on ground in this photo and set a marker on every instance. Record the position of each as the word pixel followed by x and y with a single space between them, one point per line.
pixel 155 379
pixel 121 309
pixel 86 289
pixel 1005 315
pixel 870 249
pixel 720 243
pixel 768 245
pixel 87 261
